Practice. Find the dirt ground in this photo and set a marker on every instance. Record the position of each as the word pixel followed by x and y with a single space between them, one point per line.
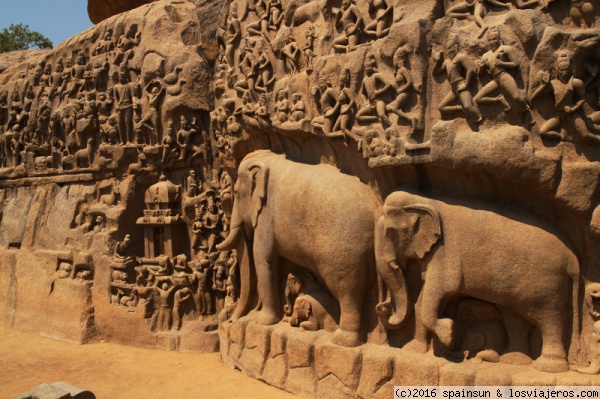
pixel 114 371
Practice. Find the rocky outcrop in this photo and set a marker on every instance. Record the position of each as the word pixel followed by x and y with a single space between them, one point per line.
pixel 99 10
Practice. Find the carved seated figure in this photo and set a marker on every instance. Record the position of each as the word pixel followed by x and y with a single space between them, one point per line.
pixel 123 250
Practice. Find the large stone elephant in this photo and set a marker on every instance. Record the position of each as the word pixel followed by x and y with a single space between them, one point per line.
pixel 502 258
pixel 312 215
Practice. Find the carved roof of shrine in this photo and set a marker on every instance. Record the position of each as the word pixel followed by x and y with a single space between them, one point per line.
pixel 163 192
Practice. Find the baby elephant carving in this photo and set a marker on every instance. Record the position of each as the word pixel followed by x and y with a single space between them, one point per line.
pixel 311 315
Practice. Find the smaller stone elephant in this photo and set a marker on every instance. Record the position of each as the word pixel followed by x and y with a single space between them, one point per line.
pixel 309 314
pixel 309 305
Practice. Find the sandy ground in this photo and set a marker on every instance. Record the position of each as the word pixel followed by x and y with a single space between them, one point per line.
pixel 114 371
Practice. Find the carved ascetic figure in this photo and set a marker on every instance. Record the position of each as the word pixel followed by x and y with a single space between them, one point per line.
pixel 460 74
pixel 350 19
pixel 499 59
pixel 450 242
pixel 569 98
pixel 267 183
pixel 123 93
pixel 123 249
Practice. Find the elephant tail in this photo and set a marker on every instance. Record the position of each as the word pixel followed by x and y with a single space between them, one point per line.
pixel 575 347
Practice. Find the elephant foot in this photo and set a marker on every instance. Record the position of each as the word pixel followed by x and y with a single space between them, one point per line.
pixel 517 358
pixel 416 346
pixel 443 330
pixel 267 319
pixel 346 338
pixel 551 364
pixel 592 369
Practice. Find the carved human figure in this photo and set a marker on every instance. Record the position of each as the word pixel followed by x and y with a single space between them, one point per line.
pixel 374 85
pixel 202 299
pixel 309 47
pixel 264 69
pixel 169 144
pixel 298 109
pixel 473 10
pixel 291 55
pixel 164 289
pixel 105 44
pixel 123 249
pixel 219 287
pixel 261 26
pixel 328 101
pixel 569 98
pixel 460 73
pixel 381 24
pixel 99 75
pixel 77 78
pixel 350 19
pixel 110 131
pixel 275 15
pixel 248 67
pixel 123 98
pixel 179 298
pixel 282 108
pixel 404 86
pixel 154 97
pixel 185 140
pixel 192 184
pixel 347 106
pixel 126 44
pixel 497 61
pixel 232 35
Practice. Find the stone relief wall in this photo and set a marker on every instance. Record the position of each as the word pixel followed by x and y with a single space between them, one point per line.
pixel 411 187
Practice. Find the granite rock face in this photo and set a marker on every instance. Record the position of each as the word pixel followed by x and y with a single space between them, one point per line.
pixel 339 197
pixel 99 10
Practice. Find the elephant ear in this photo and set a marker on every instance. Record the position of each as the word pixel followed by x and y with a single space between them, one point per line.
pixel 306 307
pixel 426 227
pixel 260 176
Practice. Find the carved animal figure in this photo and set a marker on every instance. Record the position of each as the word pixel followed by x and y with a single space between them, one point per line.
pixel 309 314
pixel 112 198
pixel 325 232
pixel 503 259
pixel 81 159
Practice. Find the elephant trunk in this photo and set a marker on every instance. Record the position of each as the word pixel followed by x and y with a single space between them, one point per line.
pixel 393 306
pixel 235 232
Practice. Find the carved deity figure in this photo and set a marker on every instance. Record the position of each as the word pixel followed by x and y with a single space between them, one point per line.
pixel 126 44
pixel 569 98
pixel 473 10
pixel 349 17
pixel 381 25
pixel 282 108
pixel 497 61
pixel 460 73
pixel 232 35
pixel 298 108
pixel 347 106
pixel 248 67
pixel 404 86
pixel 261 26
pixel 291 55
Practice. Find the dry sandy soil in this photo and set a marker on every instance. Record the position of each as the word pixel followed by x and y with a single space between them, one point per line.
pixel 114 371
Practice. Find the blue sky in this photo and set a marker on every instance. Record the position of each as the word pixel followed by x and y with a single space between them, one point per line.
pixel 56 19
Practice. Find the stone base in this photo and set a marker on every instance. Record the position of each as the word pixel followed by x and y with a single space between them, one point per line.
pixel 307 363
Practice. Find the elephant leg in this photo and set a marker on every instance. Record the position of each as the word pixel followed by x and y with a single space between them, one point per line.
pixel 348 333
pixel 554 357
pixel 420 343
pixel 518 330
pixel 266 260
pixel 433 301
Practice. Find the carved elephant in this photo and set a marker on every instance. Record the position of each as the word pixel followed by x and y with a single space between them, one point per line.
pixel 502 258
pixel 309 314
pixel 315 217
